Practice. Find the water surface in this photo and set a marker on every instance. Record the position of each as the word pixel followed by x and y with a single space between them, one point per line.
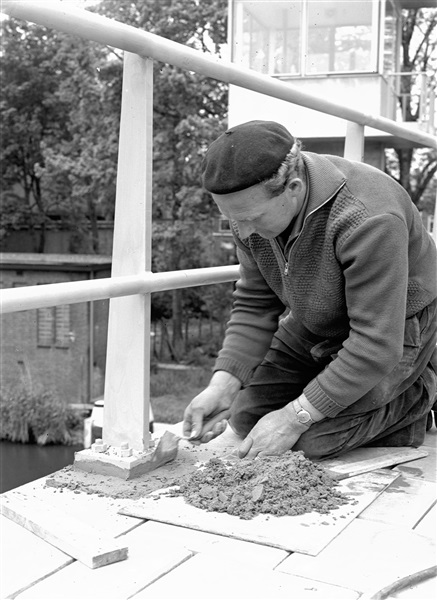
pixel 21 463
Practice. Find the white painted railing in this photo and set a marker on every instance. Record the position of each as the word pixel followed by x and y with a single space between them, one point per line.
pixel 128 357
pixel 72 292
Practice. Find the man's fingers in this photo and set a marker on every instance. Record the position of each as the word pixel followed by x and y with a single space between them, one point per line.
pixel 196 424
pixel 217 430
pixel 219 427
pixel 245 447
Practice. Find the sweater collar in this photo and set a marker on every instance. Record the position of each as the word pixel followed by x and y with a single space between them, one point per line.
pixel 324 179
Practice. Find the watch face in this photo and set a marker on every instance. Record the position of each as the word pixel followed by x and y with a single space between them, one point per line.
pixel 303 416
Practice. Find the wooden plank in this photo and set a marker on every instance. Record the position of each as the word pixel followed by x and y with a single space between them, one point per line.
pixel 366 557
pixel 200 541
pixel 192 539
pixel 308 533
pixel 18 567
pixel 424 468
pixel 363 460
pixel 206 577
pixel 94 510
pixel 70 535
pixel 126 414
pixel 149 558
pixel 67 492
pixel 404 502
pixel 427 526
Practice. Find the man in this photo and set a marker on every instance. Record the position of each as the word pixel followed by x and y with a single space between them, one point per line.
pixel 331 343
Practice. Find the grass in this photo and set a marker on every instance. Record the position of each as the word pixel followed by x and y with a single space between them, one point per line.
pixel 171 391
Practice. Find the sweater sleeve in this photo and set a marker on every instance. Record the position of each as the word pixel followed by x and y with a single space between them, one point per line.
pixel 254 319
pixel 374 259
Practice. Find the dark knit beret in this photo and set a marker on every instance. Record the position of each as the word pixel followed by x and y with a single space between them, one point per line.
pixel 244 156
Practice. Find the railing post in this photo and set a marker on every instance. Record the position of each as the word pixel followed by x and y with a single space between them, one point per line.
pixel 126 412
pixel 423 106
pixel 431 113
pixel 354 143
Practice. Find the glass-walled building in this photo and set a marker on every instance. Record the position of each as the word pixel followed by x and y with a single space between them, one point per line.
pixel 346 50
pixel 314 37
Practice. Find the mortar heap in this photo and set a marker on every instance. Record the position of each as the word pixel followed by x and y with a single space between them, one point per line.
pixel 289 484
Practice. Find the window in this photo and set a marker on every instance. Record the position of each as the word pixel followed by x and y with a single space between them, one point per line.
pixel 391 22
pixel 267 35
pixel 224 225
pixel 54 326
pixel 340 37
pixel 288 37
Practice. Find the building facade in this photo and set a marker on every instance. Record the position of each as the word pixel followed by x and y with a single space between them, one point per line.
pixel 62 348
pixel 346 52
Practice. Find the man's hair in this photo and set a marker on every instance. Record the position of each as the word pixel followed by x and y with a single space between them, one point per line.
pixel 291 166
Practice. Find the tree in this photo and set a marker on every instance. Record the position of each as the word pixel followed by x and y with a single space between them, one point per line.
pixel 74 147
pixel 29 114
pixel 415 169
pixel 79 171
pixel 189 109
pixel 59 122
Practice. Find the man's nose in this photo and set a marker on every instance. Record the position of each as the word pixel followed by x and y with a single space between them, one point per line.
pixel 245 229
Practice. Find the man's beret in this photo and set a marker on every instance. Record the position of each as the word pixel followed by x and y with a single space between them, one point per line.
pixel 245 155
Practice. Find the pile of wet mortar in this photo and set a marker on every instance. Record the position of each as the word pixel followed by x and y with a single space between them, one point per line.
pixel 275 485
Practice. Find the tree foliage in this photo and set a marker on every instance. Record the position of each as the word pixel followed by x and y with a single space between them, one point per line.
pixel 61 107
pixel 189 109
pixel 59 122
pixel 415 169
pixel 60 115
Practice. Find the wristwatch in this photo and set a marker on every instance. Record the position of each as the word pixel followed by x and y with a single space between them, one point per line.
pixel 303 416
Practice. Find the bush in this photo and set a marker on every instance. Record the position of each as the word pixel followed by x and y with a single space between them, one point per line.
pixel 171 391
pixel 167 381
pixel 29 416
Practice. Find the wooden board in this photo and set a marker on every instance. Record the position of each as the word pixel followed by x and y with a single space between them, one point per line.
pixel 425 468
pixel 70 535
pixel 18 567
pixel 206 577
pixel 150 558
pixel 404 503
pixel 308 533
pixel 363 460
pixel 427 526
pixel 366 557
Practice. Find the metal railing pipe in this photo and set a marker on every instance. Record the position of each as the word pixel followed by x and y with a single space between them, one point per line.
pixel 72 292
pixel 113 33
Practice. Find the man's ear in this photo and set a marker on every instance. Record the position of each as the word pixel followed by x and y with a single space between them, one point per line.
pixel 296 186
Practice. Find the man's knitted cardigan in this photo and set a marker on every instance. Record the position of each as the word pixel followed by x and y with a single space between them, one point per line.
pixel 360 266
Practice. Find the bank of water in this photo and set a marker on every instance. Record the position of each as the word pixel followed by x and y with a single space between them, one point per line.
pixel 22 463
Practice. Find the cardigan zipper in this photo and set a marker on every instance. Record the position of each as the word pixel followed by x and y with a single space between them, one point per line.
pixel 287 258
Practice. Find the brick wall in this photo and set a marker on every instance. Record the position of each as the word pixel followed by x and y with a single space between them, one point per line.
pixel 50 348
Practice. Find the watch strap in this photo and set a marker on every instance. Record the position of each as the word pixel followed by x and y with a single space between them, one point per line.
pixel 303 416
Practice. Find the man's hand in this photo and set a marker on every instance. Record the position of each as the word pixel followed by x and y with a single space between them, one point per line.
pixel 206 416
pixel 275 433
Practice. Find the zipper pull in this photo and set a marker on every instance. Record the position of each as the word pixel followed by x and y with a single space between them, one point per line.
pixel 286 268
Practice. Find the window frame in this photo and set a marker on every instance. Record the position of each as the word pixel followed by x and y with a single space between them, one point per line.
pixel 60 336
pixel 376 50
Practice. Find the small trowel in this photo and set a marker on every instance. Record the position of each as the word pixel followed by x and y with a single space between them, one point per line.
pixel 166 450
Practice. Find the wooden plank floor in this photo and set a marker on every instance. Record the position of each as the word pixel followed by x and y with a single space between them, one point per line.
pixel 393 537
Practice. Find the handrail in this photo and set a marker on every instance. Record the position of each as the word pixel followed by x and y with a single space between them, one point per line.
pixel 127 378
pixel 72 292
pixel 113 33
